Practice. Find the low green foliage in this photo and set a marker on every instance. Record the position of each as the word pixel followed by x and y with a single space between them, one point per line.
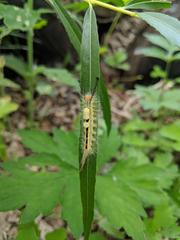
pixel 158 99
pixel 26 20
pixel 18 18
pixel 163 50
pixel 59 234
pixel 7 106
pixel 30 230
pixel 163 224
pixel 129 185
pixel 118 60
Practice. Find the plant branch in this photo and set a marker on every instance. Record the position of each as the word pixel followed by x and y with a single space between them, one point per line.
pixel 113 8
pixel 30 54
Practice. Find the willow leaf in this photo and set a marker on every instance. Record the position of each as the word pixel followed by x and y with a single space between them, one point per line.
pixel 90 71
pixel 74 34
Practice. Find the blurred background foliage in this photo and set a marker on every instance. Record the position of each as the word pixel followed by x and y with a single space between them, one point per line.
pixel 138 184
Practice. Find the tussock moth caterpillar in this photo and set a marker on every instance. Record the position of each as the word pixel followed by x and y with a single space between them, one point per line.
pixel 89 125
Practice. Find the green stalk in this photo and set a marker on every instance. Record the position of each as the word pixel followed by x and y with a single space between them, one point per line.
pixel 112 28
pixel 167 70
pixel 30 57
pixel 112 7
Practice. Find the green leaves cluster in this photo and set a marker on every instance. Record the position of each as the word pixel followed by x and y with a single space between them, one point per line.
pixel 58 76
pixel 168 26
pixel 118 60
pixel 162 50
pixel 18 19
pixel 159 100
pixel 124 189
pixel 31 186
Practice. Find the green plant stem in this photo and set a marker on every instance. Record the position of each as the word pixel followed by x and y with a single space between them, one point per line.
pixel 167 70
pixel 30 55
pixel 113 8
pixel 111 29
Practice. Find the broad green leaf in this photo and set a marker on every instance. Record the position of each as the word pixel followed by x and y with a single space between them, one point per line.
pixel 171 99
pixel 41 179
pixel 138 140
pixel 17 65
pixel 163 159
pixel 58 234
pixel 120 205
pixel 90 73
pixel 143 179
pixel 24 188
pixel 113 142
pixel 74 34
pixel 158 40
pixel 63 144
pixel 150 97
pixel 38 141
pixel 153 52
pixel 67 146
pixel 59 75
pixel 148 4
pixel 163 143
pixel 138 124
pixel 44 88
pixel 126 188
pixel 4 82
pixel 71 206
pixel 163 224
pixel 168 26
pixel 135 154
pixel 7 106
pixel 70 25
pixel 97 236
pixel 117 60
pixel 18 18
pixel 156 99
pixel 28 231
pixel 108 228
pixel 171 131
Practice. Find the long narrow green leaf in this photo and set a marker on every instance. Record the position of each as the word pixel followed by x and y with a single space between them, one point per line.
pixel 148 4
pixel 168 26
pixel 105 103
pixel 69 24
pixel 90 71
pixel 153 52
pixel 74 34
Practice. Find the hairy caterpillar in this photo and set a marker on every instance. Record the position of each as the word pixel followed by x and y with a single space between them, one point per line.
pixel 89 124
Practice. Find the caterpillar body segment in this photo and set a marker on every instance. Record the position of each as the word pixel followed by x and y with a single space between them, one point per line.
pixel 89 124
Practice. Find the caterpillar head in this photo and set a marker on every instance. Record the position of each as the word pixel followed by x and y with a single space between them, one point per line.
pixel 88 98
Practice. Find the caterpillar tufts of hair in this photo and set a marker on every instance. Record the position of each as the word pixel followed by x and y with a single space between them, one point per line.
pixel 89 126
